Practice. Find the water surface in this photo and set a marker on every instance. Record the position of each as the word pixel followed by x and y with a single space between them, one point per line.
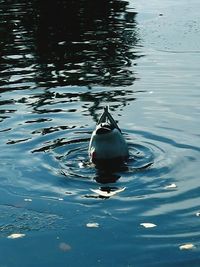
pixel 57 74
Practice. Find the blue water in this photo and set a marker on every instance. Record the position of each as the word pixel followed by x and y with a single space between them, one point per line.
pixel 61 63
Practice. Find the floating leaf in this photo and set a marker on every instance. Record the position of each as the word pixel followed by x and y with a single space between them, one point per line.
pixel 64 246
pixel 28 199
pixel 171 186
pixel 14 236
pixel 107 193
pixel 92 225
pixel 187 246
pixel 148 225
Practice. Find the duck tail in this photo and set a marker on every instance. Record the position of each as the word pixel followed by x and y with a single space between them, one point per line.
pixel 107 116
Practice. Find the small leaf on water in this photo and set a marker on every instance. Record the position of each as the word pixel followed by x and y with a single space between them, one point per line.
pixel 14 236
pixel 171 186
pixel 28 199
pixel 64 246
pixel 148 225
pixel 92 225
pixel 106 193
pixel 187 246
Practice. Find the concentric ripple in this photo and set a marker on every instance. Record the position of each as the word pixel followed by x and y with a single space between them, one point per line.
pixel 74 163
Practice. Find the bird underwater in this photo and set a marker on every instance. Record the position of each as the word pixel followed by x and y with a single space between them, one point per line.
pixel 107 147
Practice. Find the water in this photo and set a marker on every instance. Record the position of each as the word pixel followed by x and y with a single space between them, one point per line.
pixel 57 73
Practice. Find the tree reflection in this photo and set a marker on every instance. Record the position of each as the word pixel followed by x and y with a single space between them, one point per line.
pixel 62 43
pixel 84 42
pixel 60 55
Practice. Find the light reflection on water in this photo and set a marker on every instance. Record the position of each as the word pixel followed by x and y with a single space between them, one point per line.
pixel 54 84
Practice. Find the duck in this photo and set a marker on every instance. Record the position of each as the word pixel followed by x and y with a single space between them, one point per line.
pixel 107 146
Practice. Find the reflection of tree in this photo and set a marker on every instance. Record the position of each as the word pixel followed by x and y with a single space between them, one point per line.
pixel 84 42
pixel 81 42
pixel 45 102
pixel 67 42
pixel 114 96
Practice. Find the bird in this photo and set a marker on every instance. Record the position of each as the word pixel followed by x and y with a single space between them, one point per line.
pixel 107 146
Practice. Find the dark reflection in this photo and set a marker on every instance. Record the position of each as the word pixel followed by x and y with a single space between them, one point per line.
pixel 107 175
pixel 45 102
pixel 67 42
pixel 85 42
pixel 116 96
pixel 69 51
pixel 64 43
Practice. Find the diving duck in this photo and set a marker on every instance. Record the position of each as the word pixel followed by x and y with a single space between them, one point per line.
pixel 107 145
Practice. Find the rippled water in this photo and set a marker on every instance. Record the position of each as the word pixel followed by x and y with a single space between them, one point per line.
pixel 61 63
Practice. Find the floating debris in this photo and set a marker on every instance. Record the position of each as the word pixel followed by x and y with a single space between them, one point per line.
pixel 187 246
pixel 148 225
pixel 92 225
pixel 14 236
pixel 107 192
pixel 64 247
pixel 28 199
pixel 171 186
